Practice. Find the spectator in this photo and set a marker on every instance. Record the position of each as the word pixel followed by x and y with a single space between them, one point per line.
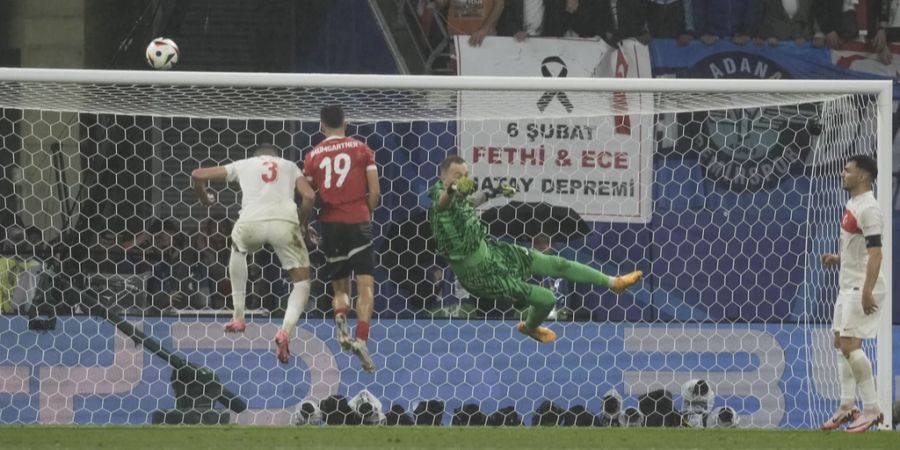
pixel 716 19
pixel 784 20
pixel 883 27
pixel 578 18
pixel 477 18
pixel 835 22
pixel 555 18
pixel 645 19
pixel 521 19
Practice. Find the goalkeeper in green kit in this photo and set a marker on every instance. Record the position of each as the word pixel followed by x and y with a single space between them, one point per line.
pixel 490 268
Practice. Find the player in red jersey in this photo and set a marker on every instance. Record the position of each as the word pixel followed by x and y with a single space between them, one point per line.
pixel 342 170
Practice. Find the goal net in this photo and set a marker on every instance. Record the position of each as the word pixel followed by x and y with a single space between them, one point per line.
pixel 723 193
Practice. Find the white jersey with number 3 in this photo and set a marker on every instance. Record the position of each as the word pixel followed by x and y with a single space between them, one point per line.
pixel 267 187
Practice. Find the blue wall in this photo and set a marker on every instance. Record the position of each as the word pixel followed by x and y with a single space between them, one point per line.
pixel 766 367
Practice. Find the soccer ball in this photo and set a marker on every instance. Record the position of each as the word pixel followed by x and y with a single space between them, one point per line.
pixel 162 53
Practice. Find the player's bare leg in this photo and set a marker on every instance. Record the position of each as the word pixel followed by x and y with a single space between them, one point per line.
pixel 341 305
pixel 847 411
pixel 237 275
pixel 365 286
pixel 859 362
pixel 296 304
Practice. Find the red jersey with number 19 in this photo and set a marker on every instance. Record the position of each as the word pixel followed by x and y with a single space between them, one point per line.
pixel 337 170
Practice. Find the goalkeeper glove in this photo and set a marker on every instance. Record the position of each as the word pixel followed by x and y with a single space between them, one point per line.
pixel 463 186
pixel 505 189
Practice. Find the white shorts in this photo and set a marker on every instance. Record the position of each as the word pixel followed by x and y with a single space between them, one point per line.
pixel 284 237
pixel 849 318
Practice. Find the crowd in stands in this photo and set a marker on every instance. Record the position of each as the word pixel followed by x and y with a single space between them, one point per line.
pixel 820 23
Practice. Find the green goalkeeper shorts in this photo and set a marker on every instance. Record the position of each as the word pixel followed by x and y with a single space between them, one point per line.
pixel 496 270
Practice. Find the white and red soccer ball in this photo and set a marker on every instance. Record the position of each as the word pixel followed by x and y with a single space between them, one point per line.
pixel 162 53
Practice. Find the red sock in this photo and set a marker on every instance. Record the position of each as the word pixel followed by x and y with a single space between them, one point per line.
pixel 340 311
pixel 362 330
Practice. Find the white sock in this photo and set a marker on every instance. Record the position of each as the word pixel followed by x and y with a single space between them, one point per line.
pixel 848 381
pixel 296 305
pixel 237 273
pixel 862 371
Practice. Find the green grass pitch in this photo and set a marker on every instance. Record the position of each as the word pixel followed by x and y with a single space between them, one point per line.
pixel 370 438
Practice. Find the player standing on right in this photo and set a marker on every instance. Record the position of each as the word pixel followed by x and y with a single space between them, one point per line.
pixel 342 170
pixel 862 290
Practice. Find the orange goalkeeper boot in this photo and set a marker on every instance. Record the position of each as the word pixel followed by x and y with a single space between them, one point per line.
pixel 543 335
pixel 622 282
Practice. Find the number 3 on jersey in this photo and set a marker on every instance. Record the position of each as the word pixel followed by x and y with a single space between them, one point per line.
pixel 272 174
pixel 339 165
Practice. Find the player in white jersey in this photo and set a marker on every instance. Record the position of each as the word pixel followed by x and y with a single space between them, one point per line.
pixel 862 290
pixel 268 216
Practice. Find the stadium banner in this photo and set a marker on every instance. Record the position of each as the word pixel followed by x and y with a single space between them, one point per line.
pixel 87 372
pixel 787 61
pixel 564 148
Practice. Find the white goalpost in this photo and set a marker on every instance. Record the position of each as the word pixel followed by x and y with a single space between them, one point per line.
pixel 724 192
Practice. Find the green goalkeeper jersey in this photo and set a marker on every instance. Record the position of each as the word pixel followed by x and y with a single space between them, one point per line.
pixel 458 232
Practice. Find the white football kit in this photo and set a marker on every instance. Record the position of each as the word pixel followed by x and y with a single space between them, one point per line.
pixel 862 218
pixel 268 211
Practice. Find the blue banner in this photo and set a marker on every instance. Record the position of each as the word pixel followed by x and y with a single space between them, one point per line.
pixel 85 372
pixel 725 59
